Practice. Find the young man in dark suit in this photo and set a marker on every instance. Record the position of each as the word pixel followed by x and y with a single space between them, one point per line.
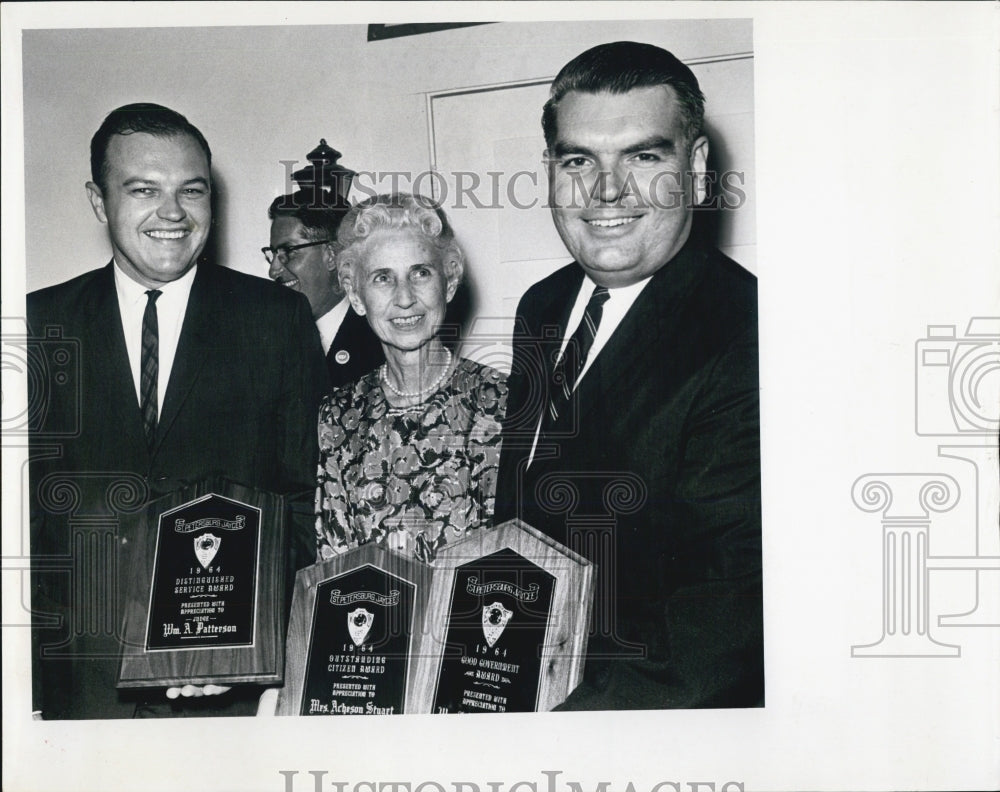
pixel 301 257
pixel 178 369
pixel 632 430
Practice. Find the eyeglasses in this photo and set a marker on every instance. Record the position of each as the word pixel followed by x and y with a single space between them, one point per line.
pixel 283 252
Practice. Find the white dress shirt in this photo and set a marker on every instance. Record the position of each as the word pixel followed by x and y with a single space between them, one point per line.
pixel 617 305
pixel 171 306
pixel 329 323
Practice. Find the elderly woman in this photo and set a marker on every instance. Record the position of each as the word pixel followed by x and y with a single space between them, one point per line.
pixel 409 452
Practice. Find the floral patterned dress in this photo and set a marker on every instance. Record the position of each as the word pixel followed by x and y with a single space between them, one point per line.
pixel 410 478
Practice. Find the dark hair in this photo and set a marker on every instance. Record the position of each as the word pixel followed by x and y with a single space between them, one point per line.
pixel 620 67
pixel 152 119
pixel 319 217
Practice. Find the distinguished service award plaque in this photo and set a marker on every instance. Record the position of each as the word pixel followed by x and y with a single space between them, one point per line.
pixel 204 604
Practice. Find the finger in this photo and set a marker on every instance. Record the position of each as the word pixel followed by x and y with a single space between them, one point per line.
pixel 268 704
pixel 215 690
pixel 173 692
pixel 189 691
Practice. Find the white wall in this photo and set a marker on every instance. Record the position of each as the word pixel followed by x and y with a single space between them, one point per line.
pixel 266 94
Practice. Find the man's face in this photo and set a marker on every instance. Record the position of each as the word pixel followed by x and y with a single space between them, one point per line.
pixel 156 203
pixel 308 270
pixel 622 181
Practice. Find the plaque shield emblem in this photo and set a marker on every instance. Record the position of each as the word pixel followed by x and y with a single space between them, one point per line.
pixel 359 622
pixel 205 548
pixel 495 618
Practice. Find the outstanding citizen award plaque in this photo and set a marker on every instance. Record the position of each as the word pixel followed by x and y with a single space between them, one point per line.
pixel 204 602
pixel 352 633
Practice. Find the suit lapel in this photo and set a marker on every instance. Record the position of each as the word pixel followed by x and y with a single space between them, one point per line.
pixel 540 346
pixel 650 326
pixel 106 347
pixel 195 338
pixel 346 333
pixel 555 315
pixel 354 336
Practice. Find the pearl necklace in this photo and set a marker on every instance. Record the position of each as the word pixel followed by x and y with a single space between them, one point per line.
pixel 420 393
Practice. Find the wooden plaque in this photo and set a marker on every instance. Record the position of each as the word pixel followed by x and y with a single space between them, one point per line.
pixel 498 623
pixel 203 598
pixel 352 635
pixel 507 624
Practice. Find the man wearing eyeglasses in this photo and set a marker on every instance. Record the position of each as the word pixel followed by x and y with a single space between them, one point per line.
pixel 300 256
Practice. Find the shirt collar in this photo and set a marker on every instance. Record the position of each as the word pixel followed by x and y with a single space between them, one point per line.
pixel 133 291
pixel 621 293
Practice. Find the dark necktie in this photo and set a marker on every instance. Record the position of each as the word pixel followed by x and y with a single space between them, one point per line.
pixel 567 369
pixel 150 366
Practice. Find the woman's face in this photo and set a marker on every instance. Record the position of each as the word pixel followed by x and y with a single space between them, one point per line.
pixel 401 286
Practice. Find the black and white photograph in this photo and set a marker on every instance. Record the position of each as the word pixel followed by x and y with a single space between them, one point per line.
pixel 626 376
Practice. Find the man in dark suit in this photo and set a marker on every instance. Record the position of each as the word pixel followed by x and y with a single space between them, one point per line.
pixel 301 257
pixel 632 429
pixel 174 370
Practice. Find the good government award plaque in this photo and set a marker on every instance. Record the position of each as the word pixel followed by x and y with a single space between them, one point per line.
pixel 497 624
pixel 203 603
pixel 507 623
